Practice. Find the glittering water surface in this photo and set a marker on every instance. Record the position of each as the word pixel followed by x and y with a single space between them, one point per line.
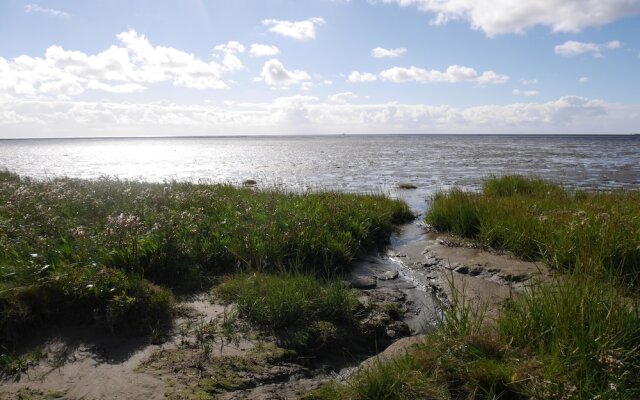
pixel 346 163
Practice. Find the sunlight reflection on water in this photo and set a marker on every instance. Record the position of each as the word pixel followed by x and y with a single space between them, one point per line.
pixel 346 163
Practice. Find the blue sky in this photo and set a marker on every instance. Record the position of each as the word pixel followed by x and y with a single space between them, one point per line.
pixel 197 67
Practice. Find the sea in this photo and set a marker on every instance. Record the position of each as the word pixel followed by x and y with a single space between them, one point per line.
pixel 362 164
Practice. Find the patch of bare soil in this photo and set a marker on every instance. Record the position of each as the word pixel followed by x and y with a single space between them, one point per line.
pixel 208 353
pixel 484 277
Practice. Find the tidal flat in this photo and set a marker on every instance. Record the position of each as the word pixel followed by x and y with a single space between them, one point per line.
pixel 124 289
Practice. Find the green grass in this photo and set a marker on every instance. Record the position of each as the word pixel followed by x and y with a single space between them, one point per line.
pixel 459 359
pixel 537 220
pixel 113 251
pixel 577 337
pixel 307 313
pixel 585 332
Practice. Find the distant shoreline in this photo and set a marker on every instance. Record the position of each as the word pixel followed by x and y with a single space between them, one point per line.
pixel 327 135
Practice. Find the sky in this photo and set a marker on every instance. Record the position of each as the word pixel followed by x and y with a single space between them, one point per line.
pixel 79 68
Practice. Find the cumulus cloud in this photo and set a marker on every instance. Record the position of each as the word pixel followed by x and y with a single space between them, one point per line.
pixel 360 77
pixel 124 68
pixel 300 30
pixel 34 8
pixel 231 47
pixel 572 48
pixel 453 74
pixel 583 79
pixel 263 50
pixel 528 82
pixel 343 97
pixel 500 17
pixel 306 114
pixel 525 93
pixel 380 52
pixel 275 74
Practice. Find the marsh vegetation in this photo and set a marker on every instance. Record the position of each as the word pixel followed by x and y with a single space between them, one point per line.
pixel 575 337
pixel 115 252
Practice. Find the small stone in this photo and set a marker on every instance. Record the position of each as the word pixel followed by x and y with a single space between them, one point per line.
pixel 388 275
pixel 362 282
pixel 364 300
pixel 390 333
pixel 462 269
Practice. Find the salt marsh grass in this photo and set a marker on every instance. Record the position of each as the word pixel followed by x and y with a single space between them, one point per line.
pixel 114 251
pixel 576 337
pixel 307 313
pixel 538 220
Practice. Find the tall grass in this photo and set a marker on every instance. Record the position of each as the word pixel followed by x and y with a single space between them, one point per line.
pixel 575 338
pixel 94 249
pixel 585 332
pixel 538 220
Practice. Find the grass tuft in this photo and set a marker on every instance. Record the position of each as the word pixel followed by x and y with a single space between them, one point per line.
pixel 585 331
pixel 308 313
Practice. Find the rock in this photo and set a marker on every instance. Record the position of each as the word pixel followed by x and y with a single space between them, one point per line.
pixel 400 328
pixel 462 269
pixel 397 349
pixel 362 282
pixel 390 333
pixel 388 275
pixel 365 301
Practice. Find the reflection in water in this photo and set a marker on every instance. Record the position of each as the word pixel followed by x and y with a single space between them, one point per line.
pixel 349 163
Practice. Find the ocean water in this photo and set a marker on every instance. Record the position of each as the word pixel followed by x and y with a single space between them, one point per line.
pixel 345 163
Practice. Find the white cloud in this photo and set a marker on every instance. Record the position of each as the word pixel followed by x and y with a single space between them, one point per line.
pixel 583 79
pixel 453 74
pixel 300 30
pixel 359 77
pixel 500 17
pixel 123 68
pixel 572 48
pixel 306 114
pixel 525 93
pixel 263 50
pixel 492 78
pixel 34 8
pixel 122 88
pixel 343 97
pixel 232 63
pixel 380 52
pixel 275 74
pixel 528 82
pixel 231 47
